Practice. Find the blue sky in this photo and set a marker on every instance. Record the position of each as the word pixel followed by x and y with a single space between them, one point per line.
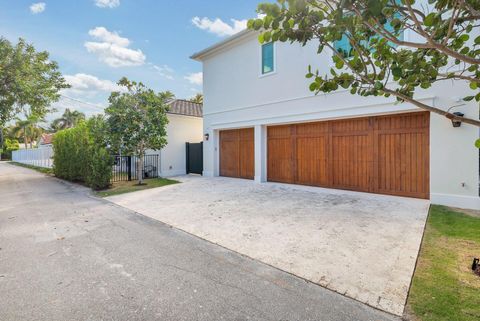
pixel 96 42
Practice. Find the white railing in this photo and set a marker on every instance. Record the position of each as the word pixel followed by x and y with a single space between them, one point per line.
pixel 41 157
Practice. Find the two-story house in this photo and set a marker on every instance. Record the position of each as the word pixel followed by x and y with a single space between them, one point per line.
pixel 261 122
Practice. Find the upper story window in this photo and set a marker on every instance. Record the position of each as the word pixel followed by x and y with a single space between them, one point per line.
pixel 344 47
pixel 267 58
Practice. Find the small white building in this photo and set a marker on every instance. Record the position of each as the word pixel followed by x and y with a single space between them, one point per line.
pixel 263 123
pixel 185 125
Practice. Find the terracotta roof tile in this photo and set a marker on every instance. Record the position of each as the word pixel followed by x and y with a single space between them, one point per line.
pixel 46 139
pixel 185 107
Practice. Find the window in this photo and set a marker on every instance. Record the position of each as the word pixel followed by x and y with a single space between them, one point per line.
pixel 344 47
pixel 267 58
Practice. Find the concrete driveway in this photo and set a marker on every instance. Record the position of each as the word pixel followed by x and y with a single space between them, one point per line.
pixel 65 255
pixel 361 245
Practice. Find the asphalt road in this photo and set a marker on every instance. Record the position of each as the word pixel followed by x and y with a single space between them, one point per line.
pixel 67 255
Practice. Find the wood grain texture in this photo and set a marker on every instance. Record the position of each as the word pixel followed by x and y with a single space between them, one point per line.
pixel 237 153
pixel 385 154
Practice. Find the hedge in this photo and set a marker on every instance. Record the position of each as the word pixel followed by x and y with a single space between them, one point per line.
pixel 9 146
pixel 78 158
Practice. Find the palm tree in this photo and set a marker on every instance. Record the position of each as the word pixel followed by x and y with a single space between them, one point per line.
pixel 168 95
pixel 198 98
pixel 69 119
pixel 28 129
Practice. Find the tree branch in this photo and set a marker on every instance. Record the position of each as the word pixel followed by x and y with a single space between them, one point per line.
pixel 406 98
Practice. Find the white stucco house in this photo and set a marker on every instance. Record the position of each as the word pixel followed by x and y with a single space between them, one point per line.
pixel 185 125
pixel 263 123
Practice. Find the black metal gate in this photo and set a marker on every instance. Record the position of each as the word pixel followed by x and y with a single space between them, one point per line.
pixel 194 158
pixel 125 167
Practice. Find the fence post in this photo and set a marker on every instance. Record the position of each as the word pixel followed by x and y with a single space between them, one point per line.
pixel 187 152
pixel 129 167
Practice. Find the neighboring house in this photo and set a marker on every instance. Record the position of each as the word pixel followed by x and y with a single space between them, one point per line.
pixel 263 123
pixel 46 140
pixel 185 125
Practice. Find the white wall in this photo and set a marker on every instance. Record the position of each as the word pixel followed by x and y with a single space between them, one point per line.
pixel 180 129
pixel 237 96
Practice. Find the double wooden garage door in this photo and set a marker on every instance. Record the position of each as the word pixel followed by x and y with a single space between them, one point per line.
pixel 386 154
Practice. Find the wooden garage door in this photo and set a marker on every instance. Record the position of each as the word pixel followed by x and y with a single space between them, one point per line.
pixel 386 154
pixel 237 153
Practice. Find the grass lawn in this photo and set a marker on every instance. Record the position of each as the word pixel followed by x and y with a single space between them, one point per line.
pixel 127 187
pixel 36 168
pixel 444 288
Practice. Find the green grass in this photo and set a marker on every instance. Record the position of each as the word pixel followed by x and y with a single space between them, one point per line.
pixel 43 170
pixel 444 288
pixel 128 187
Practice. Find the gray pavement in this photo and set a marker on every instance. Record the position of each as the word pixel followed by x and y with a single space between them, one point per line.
pixel 66 255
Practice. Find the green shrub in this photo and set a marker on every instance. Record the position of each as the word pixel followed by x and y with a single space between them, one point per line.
pixel 100 170
pixel 9 146
pixel 78 157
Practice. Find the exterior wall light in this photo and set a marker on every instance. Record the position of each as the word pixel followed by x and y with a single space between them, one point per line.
pixel 456 122
pixel 207 136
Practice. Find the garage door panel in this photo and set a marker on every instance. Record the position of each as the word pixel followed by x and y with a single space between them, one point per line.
pixel 352 162
pixel 237 153
pixel 311 160
pixel 402 122
pixel 383 154
pixel 311 129
pixel 229 154
pixel 280 167
pixel 355 125
pixel 247 161
pixel 402 168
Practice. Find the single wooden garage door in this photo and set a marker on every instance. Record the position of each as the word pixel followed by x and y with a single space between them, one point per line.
pixel 237 153
pixel 385 154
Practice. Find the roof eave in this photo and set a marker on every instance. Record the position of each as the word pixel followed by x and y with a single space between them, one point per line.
pixel 219 45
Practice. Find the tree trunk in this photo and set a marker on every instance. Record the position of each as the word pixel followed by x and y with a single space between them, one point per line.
pixel 140 169
pixel 25 138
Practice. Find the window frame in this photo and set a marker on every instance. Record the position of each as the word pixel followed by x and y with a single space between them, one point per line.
pixel 274 57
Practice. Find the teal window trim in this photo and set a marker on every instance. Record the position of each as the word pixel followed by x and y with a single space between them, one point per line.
pixel 268 58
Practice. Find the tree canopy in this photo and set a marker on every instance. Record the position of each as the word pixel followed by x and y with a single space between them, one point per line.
pixel 28 129
pixel 137 120
pixel 198 98
pixel 445 45
pixel 29 80
pixel 69 119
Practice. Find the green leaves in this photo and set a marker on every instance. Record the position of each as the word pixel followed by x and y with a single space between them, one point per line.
pixel 397 72
pixel 373 61
pixel 81 156
pixel 30 80
pixel 137 119
pixel 430 19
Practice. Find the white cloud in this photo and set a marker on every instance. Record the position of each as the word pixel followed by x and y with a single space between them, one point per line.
pixel 107 3
pixel 113 49
pixel 87 94
pixel 38 7
pixel 164 71
pixel 102 34
pixel 195 78
pixel 82 83
pixel 219 27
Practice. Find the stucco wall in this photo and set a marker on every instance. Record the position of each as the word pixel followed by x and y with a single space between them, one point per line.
pixel 180 129
pixel 237 96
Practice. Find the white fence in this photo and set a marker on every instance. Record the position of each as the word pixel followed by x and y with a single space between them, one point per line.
pixel 41 157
